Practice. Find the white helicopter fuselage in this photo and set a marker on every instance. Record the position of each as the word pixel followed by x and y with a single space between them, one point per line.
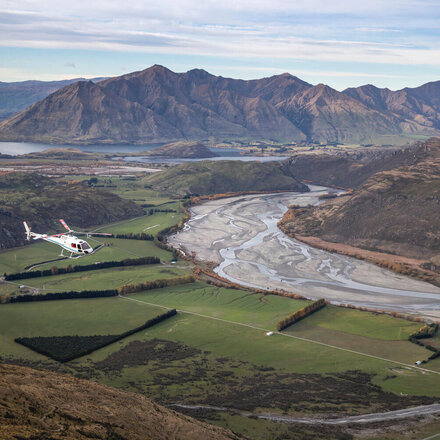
pixel 67 241
pixel 70 243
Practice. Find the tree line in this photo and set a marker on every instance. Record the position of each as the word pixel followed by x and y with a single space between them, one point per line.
pixel 133 236
pixel 64 295
pixel 156 284
pixel 67 348
pixel 82 268
pixel 301 314
pixel 125 289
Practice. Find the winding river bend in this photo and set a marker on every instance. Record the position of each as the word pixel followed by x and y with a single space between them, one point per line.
pixel 242 236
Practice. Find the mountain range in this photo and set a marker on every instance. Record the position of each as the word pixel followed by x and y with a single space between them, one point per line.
pixel 16 96
pixel 158 105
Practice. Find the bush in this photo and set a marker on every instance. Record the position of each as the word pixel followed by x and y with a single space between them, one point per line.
pixel 300 314
pixel 427 331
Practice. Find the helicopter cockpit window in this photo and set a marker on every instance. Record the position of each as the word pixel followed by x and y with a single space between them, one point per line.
pixel 79 247
pixel 85 245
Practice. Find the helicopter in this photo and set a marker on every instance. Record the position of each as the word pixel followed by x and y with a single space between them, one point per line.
pixel 67 240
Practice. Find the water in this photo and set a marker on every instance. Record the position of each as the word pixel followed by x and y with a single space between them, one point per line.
pixel 242 235
pixel 19 148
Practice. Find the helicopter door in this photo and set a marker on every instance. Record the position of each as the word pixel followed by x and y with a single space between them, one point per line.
pixel 79 247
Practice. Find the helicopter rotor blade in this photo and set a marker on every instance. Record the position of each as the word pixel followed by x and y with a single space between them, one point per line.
pixel 65 224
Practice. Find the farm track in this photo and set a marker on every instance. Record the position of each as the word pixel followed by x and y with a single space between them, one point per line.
pixel 361 419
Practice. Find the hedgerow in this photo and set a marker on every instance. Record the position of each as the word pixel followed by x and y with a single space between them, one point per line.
pixel 301 313
pixel 67 348
pixel 82 268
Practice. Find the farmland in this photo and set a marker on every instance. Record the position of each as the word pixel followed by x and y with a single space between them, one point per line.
pixel 215 351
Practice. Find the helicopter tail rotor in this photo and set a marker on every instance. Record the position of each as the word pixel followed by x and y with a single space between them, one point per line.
pixel 28 231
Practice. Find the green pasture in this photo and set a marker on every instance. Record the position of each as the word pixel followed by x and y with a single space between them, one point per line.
pixel 229 304
pixel 231 340
pixel 133 189
pixel 210 333
pixel 150 224
pixel 104 278
pixel 360 323
pixel 84 317
pixel 16 259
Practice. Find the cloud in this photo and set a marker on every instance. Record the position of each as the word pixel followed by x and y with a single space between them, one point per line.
pixel 69 65
pixel 373 31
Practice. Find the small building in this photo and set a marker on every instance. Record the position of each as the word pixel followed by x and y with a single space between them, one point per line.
pixel 269 333
pixel 418 362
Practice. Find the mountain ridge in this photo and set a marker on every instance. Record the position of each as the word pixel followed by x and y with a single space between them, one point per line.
pixel 159 105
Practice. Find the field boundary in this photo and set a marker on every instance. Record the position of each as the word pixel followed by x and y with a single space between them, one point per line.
pixel 288 336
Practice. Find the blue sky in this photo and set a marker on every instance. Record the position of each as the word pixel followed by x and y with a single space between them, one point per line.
pixel 389 43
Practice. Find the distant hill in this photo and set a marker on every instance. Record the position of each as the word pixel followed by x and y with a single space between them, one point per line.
pixel 397 210
pixel 219 177
pixel 45 405
pixel 41 202
pixel 158 105
pixel 183 150
pixel 16 96
pixel 60 153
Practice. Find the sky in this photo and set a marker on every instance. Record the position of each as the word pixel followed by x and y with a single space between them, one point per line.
pixel 389 43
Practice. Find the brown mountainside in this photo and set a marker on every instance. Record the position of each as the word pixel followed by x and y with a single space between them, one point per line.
pixel 420 104
pixel 158 105
pixel 332 170
pixel 44 405
pixel 396 211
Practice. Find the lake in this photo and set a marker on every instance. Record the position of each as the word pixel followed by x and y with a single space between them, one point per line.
pixel 18 148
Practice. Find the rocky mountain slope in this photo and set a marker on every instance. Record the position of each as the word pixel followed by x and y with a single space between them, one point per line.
pixel 158 105
pixel 420 104
pixel 203 178
pixel 41 202
pixel 396 211
pixel 333 170
pixel 44 405
pixel 16 96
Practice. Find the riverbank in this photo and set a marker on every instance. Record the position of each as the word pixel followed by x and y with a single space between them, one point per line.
pixel 241 235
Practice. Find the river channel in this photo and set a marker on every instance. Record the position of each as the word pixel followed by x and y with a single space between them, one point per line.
pixel 241 235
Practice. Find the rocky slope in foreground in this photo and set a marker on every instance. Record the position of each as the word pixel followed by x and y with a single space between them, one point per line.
pixel 44 405
pixel 205 178
pixel 396 211
pixel 158 105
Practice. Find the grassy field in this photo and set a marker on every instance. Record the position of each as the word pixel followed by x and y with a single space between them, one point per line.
pixel 16 259
pixel 133 189
pixel 104 278
pixel 194 359
pixel 67 317
pixel 360 323
pixel 151 224
pixel 215 351
pixel 229 304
